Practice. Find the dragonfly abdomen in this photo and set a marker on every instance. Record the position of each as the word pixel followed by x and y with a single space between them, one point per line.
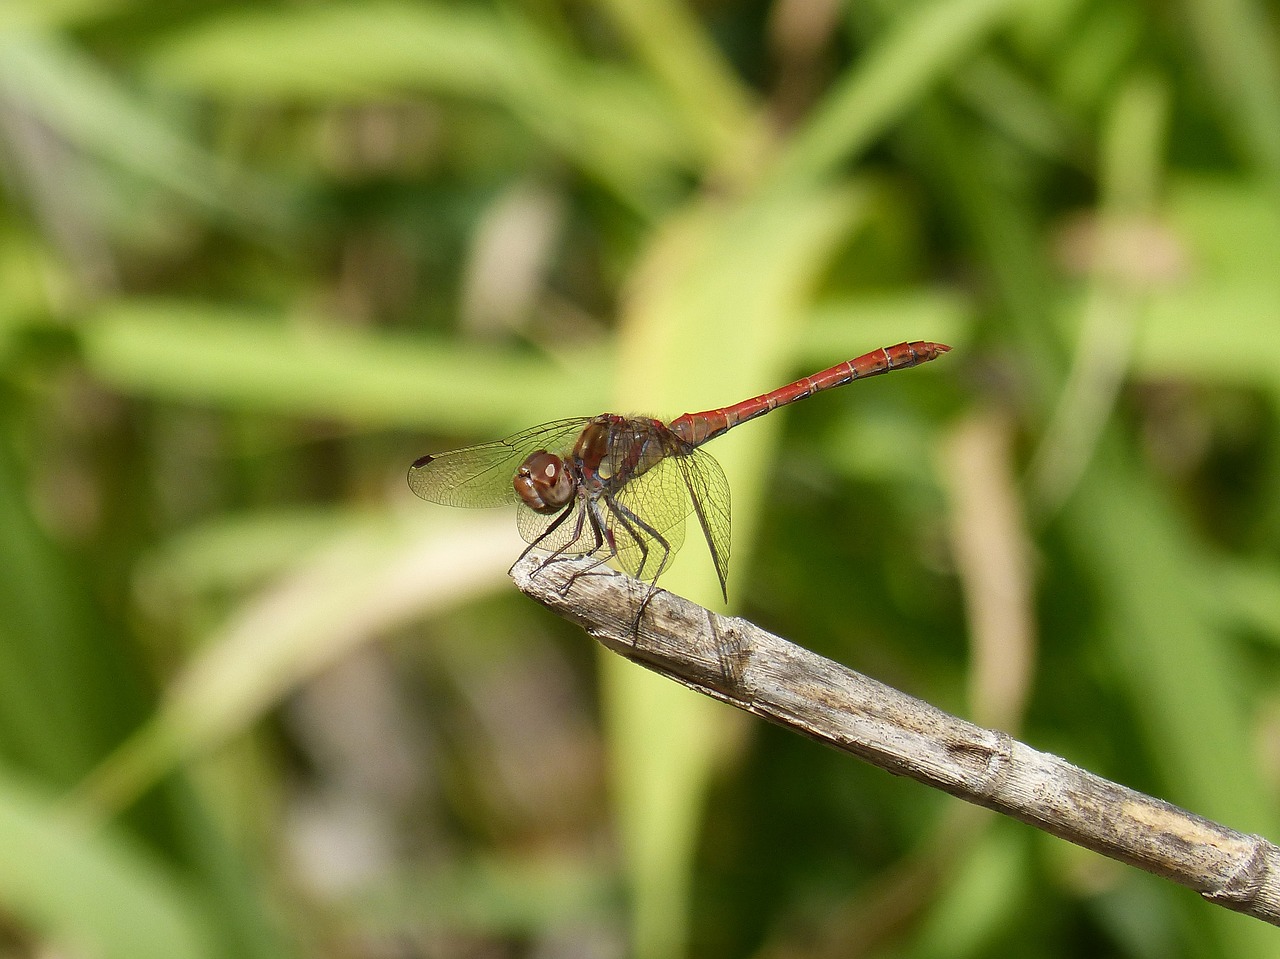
pixel 699 428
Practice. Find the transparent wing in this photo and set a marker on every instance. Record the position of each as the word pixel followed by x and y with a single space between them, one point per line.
pixel 647 519
pixel 573 535
pixel 709 497
pixel 482 475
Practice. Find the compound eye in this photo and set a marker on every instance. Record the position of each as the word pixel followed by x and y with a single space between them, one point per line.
pixel 544 482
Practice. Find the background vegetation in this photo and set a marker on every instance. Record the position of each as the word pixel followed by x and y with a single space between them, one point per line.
pixel 255 258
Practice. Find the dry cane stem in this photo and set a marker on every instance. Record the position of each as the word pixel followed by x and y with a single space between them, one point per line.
pixel 737 662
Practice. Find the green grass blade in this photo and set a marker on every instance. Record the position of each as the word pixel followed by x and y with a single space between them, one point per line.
pixel 88 889
pixel 714 104
pixel 602 117
pixel 363 581
pixel 916 54
pixel 1237 46
pixel 196 353
pixel 88 108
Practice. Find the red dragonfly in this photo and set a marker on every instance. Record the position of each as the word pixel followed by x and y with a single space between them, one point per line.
pixel 621 487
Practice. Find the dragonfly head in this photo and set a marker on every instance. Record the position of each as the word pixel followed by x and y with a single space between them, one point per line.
pixel 544 482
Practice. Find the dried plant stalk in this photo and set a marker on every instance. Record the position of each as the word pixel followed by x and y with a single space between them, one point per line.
pixel 735 661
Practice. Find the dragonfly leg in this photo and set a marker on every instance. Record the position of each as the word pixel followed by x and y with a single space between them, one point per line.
pixel 634 526
pixel 555 525
pixel 587 515
pixel 603 538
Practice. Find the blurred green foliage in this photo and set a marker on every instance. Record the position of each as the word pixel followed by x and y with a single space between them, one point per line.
pixel 255 258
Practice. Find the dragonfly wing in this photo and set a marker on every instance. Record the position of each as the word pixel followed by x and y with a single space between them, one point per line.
pixel 482 475
pixel 708 495
pixel 572 535
pixel 646 518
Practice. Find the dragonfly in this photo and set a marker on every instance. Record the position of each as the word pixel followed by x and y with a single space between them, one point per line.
pixel 618 488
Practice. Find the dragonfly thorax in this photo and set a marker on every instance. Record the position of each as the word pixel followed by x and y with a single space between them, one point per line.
pixel 544 482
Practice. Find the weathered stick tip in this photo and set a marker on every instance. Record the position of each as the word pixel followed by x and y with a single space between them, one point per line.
pixel 522 573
